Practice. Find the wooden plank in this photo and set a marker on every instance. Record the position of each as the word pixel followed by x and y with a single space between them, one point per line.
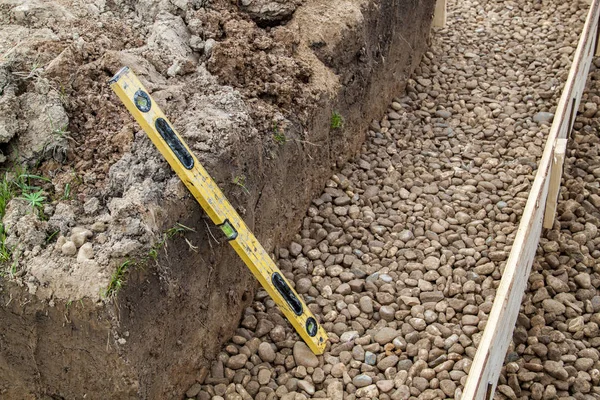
pixel 439 16
pixel 488 360
pixel 597 50
pixel 555 177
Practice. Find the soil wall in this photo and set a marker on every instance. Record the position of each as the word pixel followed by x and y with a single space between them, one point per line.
pixel 165 326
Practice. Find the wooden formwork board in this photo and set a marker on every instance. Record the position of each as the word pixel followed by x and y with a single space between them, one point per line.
pixel 555 174
pixel 439 16
pixel 485 370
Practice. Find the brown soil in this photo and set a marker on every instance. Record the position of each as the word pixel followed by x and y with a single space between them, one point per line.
pixel 230 80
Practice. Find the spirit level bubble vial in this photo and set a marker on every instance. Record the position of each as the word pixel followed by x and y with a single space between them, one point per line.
pixel 158 128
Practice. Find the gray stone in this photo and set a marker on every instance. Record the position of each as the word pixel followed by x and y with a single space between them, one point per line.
pixel 387 362
pixel 362 380
pixel 369 392
pixel 366 304
pixel 485 269
pixel 431 263
pixel 543 117
pixel 277 334
pixel 335 390
pixel 387 313
pixel 264 376
pixel 443 114
pixel 557 284
pixel 80 235
pixel 555 369
pixel 295 249
pixel 405 365
pixel 304 356
pixel 318 375
pixel 583 280
pixel 86 252
pixel 553 306
pixel 385 335
pixel 194 390
pixel 448 387
pixel 471 84
pixel 348 336
pixel 69 248
pixel 236 362
pixel 263 327
pixel 302 285
pixel 431 297
pixel 306 386
pixel 370 358
pixel 385 385
pixel 266 352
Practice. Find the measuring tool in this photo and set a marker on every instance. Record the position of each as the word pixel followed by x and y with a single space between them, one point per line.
pixel 158 128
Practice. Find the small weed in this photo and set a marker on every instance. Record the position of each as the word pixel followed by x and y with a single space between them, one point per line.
pixel 67 192
pixel 62 94
pixel 51 236
pixel 117 281
pixel 240 180
pixel 57 146
pixel 15 255
pixel 76 177
pixel 336 120
pixel 279 135
pixel 13 269
pixel 70 188
pixel 18 183
pixel 62 133
pixel 5 253
pixel 7 192
pixel 280 138
pixel 34 71
pixel 153 253
pixel 35 199
pixel 177 229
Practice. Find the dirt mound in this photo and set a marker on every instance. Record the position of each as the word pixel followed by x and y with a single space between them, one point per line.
pixel 251 87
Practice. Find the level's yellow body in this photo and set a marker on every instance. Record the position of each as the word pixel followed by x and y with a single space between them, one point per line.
pixel 147 113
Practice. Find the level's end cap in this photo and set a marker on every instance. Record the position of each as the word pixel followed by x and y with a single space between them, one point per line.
pixel 118 75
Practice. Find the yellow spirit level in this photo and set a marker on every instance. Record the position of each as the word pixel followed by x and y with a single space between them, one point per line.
pixel 158 128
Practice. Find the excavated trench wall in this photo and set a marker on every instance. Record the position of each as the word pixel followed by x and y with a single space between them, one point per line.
pixel 165 326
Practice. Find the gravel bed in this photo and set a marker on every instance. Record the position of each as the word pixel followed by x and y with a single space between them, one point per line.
pixel 555 354
pixel 401 255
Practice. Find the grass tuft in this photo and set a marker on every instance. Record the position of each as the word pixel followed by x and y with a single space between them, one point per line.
pixel 279 135
pixel 337 121
pixel 117 280
pixel 240 180
pixel 21 184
